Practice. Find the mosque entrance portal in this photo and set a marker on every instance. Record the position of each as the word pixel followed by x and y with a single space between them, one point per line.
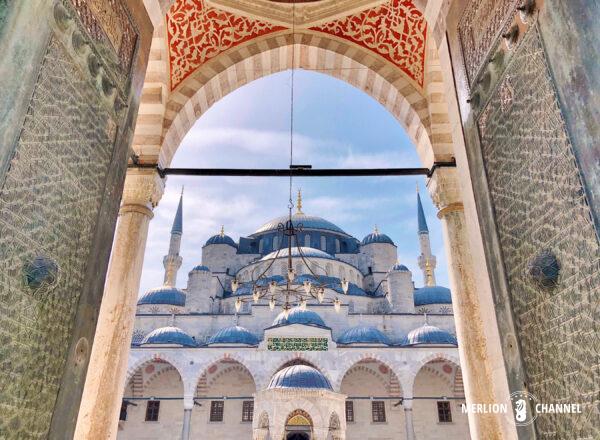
pixel 298 436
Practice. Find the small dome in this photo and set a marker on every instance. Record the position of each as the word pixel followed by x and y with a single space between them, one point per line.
pixel 299 376
pixel 363 335
pixel 221 239
pixel 299 316
pixel 376 237
pixel 163 295
pixel 429 334
pixel 307 222
pixel 399 268
pixel 169 335
pixel 432 295
pixel 233 335
pixel 201 268
pixel 308 252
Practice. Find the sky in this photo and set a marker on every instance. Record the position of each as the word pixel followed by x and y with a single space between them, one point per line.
pixel 335 126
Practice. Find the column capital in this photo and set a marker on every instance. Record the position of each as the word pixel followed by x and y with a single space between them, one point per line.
pixel 143 187
pixel 445 191
pixel 188 402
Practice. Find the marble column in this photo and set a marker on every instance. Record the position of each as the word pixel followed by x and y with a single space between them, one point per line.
pixel 472 343
pixel 408 419
pixel 105 381
pixel 187 419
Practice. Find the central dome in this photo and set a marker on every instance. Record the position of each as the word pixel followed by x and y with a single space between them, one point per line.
pixel 300 219
pixel 299 376
pixel 308 252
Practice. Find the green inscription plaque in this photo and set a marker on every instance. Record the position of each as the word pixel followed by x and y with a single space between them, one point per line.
pixel 297 344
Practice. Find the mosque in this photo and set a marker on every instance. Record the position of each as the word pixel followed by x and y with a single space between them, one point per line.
pixel 376 358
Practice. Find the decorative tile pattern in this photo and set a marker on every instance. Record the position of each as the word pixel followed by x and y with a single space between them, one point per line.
pixel 49 204
pixel 297 344
pixel 540 206
pixel 479 28
pixel 395 30
pixel 109 21
pixel 197 32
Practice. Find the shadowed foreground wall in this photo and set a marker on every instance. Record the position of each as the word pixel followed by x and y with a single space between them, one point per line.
pixel 531 151
pixel 71 77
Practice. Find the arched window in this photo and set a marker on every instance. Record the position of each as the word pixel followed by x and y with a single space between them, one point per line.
pixel 307 240
pixel 337 246
pixel 275 243
pixel 260 246
pixel 323 243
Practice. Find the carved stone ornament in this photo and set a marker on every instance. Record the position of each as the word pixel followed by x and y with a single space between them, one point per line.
pixel 142 187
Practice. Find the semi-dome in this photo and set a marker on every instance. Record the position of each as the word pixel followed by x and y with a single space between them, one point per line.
pixel 221 239
pixel 307 222
pixel 363 335
pixel 201 268
pixel 308 252
pixel 233 335
pixel 169 335
pixel 429 334
pixel 432 295
pixel 163 295
pixel 298 316
pixel 399 268
pixel 299 376
pixel 376 237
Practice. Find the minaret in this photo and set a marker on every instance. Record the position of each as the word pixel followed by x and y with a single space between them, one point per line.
pixel 427 260
pixel 172 261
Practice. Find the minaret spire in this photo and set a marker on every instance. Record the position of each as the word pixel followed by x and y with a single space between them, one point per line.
pixel 172 261
pixel 427 260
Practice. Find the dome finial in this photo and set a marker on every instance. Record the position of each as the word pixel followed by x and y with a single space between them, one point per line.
pixel 299 202
pixel 376 230
pixel 222 233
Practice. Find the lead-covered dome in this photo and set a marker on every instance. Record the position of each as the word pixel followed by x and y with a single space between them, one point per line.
pixel 399 268
pixel 169 336
pixel 308 252
pixel 429 334
pixel 299 376
pixel 221 239
pixel 432 295
pixel 233 335
pixel 298 316
pixel 163 295
pixel 363 335
pixel 377 237
pixel 306 221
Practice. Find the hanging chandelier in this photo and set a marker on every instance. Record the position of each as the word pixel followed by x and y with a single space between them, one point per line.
pixel 292 289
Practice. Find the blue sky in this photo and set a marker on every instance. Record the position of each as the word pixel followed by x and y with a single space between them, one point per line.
pixel 335 125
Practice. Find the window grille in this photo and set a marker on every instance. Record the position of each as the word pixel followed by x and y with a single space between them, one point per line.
pixel 247 410
pixel 216 410
pixel 349 411
pixel 152 409
pixel 444 412
pixel 378 411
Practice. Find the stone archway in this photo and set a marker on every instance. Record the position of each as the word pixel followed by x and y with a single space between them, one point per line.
pixel 298 425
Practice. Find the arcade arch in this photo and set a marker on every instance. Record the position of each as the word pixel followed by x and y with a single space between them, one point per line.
pixel 165 116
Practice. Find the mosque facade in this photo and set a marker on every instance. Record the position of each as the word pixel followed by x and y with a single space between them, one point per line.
pixel 207 361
